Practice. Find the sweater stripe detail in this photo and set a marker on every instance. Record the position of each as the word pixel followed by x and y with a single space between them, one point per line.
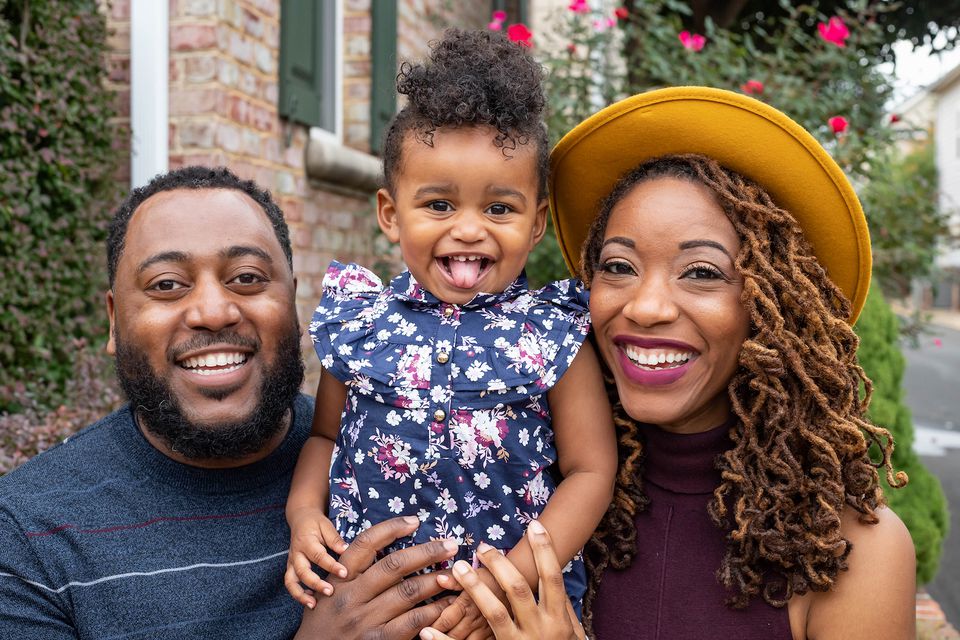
pixel 152 521
pixel 137 574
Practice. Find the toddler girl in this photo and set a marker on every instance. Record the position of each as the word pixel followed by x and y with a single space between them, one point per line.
pixel 459 387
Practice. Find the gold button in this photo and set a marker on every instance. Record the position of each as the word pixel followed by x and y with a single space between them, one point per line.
pixel 448 311
pixel 443 357
pixel 439 415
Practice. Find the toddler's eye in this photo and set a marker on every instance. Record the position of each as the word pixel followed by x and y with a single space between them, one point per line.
pixel 499 209
pixel 441 206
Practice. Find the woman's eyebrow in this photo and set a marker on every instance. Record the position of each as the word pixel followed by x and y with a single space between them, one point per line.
pixel 692 244
pixel 627 242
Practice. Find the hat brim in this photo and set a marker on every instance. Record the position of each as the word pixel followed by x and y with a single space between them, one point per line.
pixel 742 134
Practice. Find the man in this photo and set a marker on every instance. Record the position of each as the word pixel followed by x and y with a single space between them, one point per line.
pixel 166 518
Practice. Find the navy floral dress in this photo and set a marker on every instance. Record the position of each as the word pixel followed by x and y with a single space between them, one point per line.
pixel 446 415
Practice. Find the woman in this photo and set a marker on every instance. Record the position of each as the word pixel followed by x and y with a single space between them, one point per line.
pixel 727 261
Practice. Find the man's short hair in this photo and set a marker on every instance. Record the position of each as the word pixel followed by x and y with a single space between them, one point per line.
pixel 193 177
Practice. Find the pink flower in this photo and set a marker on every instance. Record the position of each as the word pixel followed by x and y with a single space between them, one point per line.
pixel 834 31
pixel 520 33
pixel 497 23
pixel 752 87
pixel 938 342
pixel 579 6
pixel 499 16
pixel 692 41
pixel 495 26
pixel 621 13
pixel 839 124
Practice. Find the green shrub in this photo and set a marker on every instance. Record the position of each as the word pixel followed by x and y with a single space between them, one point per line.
pixel 56 169
pixel 921 504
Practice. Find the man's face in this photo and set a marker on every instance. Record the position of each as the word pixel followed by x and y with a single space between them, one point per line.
pixel 203 323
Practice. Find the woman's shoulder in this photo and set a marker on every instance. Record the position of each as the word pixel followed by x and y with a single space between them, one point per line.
pixel 881 578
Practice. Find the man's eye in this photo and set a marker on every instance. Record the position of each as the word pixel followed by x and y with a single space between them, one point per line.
pixel 499 209
pixel 166 285
pixel 440 205
pixel 248 278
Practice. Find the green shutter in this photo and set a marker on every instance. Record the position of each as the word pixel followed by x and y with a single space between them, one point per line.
pixel 383 99
pixel 307 62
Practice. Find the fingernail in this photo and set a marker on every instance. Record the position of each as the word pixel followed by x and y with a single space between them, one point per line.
pixel 327 591
pixel 461 568
pixel 310 606
pixel 450 545
pixel 536 528
pixel 483 547
pixel 342 572
pixel 411 519
pixel 426 634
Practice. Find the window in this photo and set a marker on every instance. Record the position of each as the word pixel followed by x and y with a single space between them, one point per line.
pixel 309 63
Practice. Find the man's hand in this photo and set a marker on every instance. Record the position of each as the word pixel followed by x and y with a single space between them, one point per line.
pixel 378 601
pixel 311 535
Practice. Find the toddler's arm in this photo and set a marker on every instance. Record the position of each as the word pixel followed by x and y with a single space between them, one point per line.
pixel 587 454
pixel 311 532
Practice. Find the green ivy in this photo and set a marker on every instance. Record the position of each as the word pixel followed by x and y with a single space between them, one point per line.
pixel 56 178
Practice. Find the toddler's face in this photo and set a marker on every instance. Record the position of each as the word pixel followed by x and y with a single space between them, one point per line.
pixel 466 215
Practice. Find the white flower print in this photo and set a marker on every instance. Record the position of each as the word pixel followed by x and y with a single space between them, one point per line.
pixel 496 385
pixel 446 502
pixel 481 479
pixel 477 370
pixel 523 436
pixel 393 418
pixel 358 457
pixel 395 504
pixel 345 349
pixel 495 532
pixel 373 493
pixel 439 394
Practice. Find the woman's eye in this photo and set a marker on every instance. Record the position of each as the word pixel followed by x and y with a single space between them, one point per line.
pixel 703 272
pixel 499 209
pixel 441 206
pixel 616 267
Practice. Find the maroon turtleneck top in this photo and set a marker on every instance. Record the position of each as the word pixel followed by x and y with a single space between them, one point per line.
pixel 670 592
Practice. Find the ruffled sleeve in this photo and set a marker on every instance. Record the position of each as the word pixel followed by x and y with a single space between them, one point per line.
pixel 345 315
pixel 528 342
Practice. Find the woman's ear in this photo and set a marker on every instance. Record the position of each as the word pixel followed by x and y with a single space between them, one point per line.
pixel 387 216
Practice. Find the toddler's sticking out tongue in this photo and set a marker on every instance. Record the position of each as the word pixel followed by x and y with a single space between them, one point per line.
pixel 465 273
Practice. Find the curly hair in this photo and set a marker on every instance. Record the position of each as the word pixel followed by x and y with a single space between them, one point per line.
pixel 800 440
pixel 192 177
pixel 472 78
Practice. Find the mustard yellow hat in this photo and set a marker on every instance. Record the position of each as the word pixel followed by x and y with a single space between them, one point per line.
pixel 742 134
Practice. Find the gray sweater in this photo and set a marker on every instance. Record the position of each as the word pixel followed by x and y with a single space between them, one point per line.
pixel 105 537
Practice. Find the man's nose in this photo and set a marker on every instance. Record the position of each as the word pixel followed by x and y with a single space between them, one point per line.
pixel 212 306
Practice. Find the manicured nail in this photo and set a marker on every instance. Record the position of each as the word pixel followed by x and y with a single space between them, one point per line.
pixel 450 545
pixel 461 568
pixel 411 519
pixel 483 547
pixel 536 528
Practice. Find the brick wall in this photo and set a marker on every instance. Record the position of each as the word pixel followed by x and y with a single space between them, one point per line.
pixel 223 111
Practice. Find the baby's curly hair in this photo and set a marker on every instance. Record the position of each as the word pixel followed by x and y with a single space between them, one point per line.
pixel 473 78
pixel 800 439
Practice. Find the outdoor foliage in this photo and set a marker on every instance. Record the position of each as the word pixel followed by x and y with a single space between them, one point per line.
pixel 906 219
pixel 921 504
pixel 824 72
pixel 55 179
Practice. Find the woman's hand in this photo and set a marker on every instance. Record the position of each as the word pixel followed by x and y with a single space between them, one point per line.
pixel 552 618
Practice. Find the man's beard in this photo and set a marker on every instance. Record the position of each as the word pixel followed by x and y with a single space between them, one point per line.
pixel 154 401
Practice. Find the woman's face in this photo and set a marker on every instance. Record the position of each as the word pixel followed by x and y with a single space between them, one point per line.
pixel 665 303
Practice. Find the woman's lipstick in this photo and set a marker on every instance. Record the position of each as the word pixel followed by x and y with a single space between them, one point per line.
pixel 650 376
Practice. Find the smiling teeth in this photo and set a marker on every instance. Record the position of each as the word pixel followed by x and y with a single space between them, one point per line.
pixel 465 258
pixel 214 360
pixel 651 358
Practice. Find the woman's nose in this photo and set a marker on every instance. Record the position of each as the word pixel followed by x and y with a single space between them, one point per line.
pixel 652 302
